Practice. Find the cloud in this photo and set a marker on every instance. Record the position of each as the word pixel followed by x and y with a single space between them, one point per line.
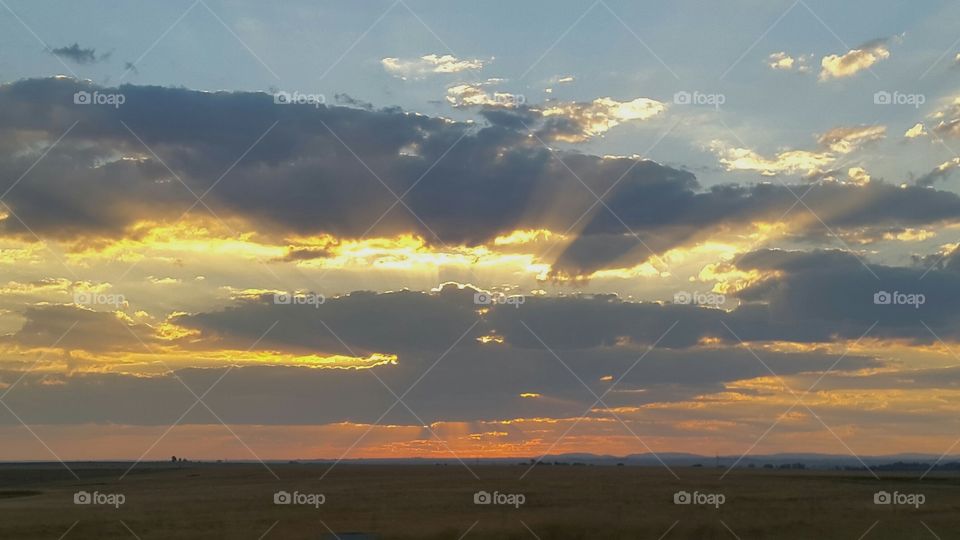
pixel 948 118
pixel 788 161
pixel 940 172
pixel 417 68
pixel 858 175
pixel 79 55
pixel 847 139
pixel 566 121
pixel 101 185
pixel 916 131
pixel 595 118
pixel 782 61
pixel 474 95
pixel 837 141
pixel 854 61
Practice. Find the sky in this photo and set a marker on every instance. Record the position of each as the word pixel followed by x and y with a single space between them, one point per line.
pixel 231 230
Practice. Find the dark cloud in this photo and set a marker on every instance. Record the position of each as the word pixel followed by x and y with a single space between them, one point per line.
pixel 79 55
pixel 938 173
pixel 72 327
pixel 469 383
pixel 831 292
pixel 806 297
pixel 465 183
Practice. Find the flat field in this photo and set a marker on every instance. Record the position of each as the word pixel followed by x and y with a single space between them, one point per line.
pixel 165 501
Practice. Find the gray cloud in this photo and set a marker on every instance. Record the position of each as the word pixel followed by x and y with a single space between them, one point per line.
pixel 79 55
pixel 301 179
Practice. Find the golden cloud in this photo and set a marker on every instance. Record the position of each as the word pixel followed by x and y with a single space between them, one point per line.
pixel 852 62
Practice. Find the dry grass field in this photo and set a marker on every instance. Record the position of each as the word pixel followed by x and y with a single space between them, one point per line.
pixel 437 502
